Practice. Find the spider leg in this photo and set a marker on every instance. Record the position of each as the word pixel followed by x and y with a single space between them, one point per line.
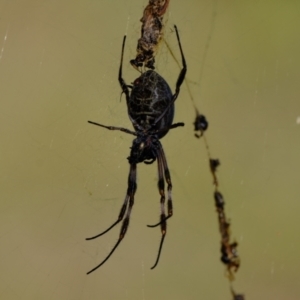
pixel 161 188
pixel 159 251
pixel 150 161
pixel 113 128
pixel 163 174
pixel 122 82
pixel 175 125
pixel 109 228
pixel 120 218
pixel 161 157
pixel 183 70
pixel 168 180
pixel 126 207
pixel 125 89
pixel 180 78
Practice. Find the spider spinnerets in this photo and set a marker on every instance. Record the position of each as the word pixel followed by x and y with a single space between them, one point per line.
pixel 151 110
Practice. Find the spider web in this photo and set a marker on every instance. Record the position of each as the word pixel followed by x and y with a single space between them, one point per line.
pixel 63 180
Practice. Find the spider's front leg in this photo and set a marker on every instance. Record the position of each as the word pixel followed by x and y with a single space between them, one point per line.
pixel 126 208
pixel 168 180
pixel 113 128
pixel 163 174
pixel 124 86
pixel 180 78
pixel 182 73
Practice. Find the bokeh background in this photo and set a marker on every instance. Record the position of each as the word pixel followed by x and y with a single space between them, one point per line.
pixel 63 180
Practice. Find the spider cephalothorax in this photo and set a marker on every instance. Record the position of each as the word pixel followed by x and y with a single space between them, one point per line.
pixel 143 149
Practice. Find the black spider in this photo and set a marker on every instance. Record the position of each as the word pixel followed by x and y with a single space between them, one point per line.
pixel 151 111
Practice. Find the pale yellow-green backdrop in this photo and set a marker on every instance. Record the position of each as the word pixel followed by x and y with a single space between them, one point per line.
pixel 62 180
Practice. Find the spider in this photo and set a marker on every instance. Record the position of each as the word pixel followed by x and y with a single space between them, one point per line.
pixel 151 110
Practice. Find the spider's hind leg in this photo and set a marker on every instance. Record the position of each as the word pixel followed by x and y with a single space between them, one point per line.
pixel 163 174
pixel 126 208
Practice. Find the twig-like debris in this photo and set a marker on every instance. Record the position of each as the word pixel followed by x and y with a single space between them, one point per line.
pixel 151 33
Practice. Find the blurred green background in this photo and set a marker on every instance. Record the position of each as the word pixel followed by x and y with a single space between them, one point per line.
pixel 63 180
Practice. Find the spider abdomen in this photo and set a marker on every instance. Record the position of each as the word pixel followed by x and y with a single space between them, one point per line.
pixel 150 98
